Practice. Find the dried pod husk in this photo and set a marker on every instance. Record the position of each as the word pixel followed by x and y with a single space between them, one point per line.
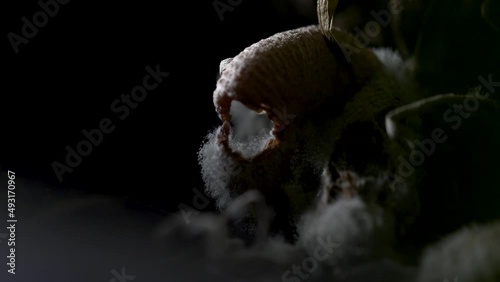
pixel 334 100
pixel 451 151
pixel 326 11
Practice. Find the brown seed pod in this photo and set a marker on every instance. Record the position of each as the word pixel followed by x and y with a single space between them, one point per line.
pixel 302 73
pixel 296 69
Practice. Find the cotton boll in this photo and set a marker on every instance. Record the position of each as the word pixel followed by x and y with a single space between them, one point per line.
pixel 365 216
pixel 288 177
pixel 206 235
pixel 249 217
pixel 209 233
pixel 357 233
pixel 471 254
pixel 310 123
pixel 400 202
pixel 206 240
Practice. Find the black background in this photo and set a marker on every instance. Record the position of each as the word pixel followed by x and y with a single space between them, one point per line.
pixel 66 77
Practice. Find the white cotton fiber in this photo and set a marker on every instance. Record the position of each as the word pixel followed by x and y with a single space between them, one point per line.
pixel 216 170
pixel 471 255
pixel 363 233
pixel 306 144
pixel 393 63
pixel 251 131
pixel 207 242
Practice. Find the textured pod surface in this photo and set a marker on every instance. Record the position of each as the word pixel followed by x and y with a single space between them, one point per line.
pixel 334 103
pixel 294 69
pixel 298 71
